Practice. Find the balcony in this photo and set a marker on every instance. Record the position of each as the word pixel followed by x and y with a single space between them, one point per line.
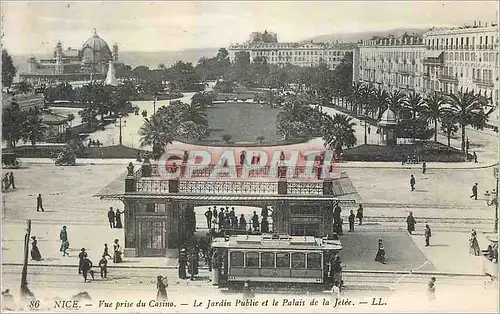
pixel 448 78
pixel 483 83
pixel 433 61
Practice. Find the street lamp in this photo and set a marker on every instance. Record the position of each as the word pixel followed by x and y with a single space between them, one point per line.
pixel 154 105
pixel 492 199
pixel 120 125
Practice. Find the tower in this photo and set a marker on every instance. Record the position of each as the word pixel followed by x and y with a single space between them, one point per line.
pixel 115 52
pixel 110 78
pixel 32 64
pixel 59 69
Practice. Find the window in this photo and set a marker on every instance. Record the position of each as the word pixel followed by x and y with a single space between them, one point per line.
pixel 283 260
pixel 298 260
pixel 313 260
pixel 252 259
pixel 267 259
pixel 237 259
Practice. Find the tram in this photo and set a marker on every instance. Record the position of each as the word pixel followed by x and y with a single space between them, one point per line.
pixel 275 258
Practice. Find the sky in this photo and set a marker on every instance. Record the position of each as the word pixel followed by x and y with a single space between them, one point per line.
pixel 35 27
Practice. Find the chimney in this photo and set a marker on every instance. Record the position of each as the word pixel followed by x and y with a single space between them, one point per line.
pixel 479 23
pixel 474 23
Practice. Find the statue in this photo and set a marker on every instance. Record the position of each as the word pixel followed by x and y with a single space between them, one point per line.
pixel 130 169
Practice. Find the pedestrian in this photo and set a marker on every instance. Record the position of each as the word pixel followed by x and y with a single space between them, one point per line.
pixel 431 289
pixel 255 221
pixel 39 204
pixel 161 286
pixel 6 181
pixel 427 234
pixel 63 236
pixel 215 214
pixel 264 225
pixel 424 167
pixel 87 268
pixel 208 215
pixel 182 263
pixel 81 257
pixel 474 191
pixel 221 220
pixel 118 217
pixel 473 244
pixel 335 291
pixel 103 266
pixel 11 178
pixel 351 221
pixel 410 223
pixel 243 223
pixel 193 263
pixel 106 253
pixel 473 154
pixel 117 252
pixel 35 253
pixel 111 217
pixel 412 182
pixel 380 257
pixel 65 247
pixel 359 214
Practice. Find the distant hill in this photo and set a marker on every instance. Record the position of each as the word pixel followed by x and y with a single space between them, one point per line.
pixel 357 36
pixel 136 58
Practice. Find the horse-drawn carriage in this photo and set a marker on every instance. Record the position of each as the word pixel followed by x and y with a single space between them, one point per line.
pixel 10 160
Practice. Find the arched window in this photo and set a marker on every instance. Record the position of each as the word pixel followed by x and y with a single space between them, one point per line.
pixel 298 260
pixel 237 259
pixel 252 259
pixel 283 260
pixel 313 261
pixel 267 259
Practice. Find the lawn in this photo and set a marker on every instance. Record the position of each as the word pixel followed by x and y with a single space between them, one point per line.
pixel 244 122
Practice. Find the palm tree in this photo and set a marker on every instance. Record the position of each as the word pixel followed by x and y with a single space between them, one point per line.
pixel 432 110
pixel 339 132
pixel 448 126
pixel 413 102
pixel 395 100
pixel 357 91
pixel 157 133
pixel 12 125
pixel 192 112
pixel 380 101
pixel 467 109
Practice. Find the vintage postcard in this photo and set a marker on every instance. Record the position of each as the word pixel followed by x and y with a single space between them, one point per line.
pixel 264 156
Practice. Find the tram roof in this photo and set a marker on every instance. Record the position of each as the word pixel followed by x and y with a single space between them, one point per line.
pixel 269 241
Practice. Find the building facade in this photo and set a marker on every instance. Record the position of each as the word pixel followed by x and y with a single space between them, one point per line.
pixel 300 54
pixel 444 60
pixel 72 64
pixel 463 58
pixel 391 63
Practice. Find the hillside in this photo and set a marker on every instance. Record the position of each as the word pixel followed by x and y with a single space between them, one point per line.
pixel 357 36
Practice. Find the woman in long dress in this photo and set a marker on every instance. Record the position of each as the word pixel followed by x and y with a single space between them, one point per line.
pixel 35 253
pixel 161 285
pixel 118 217
pixel 473 244
pixel 117 255
pixel 380 253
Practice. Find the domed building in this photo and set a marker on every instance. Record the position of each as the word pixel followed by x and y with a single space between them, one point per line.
pixel 89 62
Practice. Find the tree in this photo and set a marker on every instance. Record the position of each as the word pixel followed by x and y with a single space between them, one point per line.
pixel 192 112
pixel 449 127
pixel 226 138
pixel 412 102
pixel 467 109
pixel 24 87
pixel 33 128
pixel 12 124
pixel 431 110
pixel 203 99
pixel 395 100
pixel 380 101
pixel 339 132
pixel 89 116
pixel 8 69
pixel 157 133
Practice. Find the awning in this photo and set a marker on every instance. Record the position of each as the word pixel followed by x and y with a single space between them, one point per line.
pixel 434 54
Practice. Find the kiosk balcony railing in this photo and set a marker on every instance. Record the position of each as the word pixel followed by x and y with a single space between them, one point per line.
pixel 238 172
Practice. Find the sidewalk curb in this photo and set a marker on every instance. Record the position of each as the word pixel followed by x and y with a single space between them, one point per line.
pixel 415 167
pixel 350 271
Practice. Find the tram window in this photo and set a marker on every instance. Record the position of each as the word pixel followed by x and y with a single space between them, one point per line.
pixel 267 259
pixel 298 260
pixel 252 259
pixel 313 260
pixel 237 259
pixel 283 260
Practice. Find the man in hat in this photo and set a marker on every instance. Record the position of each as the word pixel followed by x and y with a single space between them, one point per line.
pixel 208 215
pixel 87 268
pixel 427 234
pixel 81 256
pixel 474 191
pixel 103 265
pixel 431 288
pixel 39 204
pixel 111 217
pixel 63 236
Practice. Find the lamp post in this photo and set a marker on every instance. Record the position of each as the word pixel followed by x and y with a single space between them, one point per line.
pixel 24 273
pixel 120 125
pixel 154 104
